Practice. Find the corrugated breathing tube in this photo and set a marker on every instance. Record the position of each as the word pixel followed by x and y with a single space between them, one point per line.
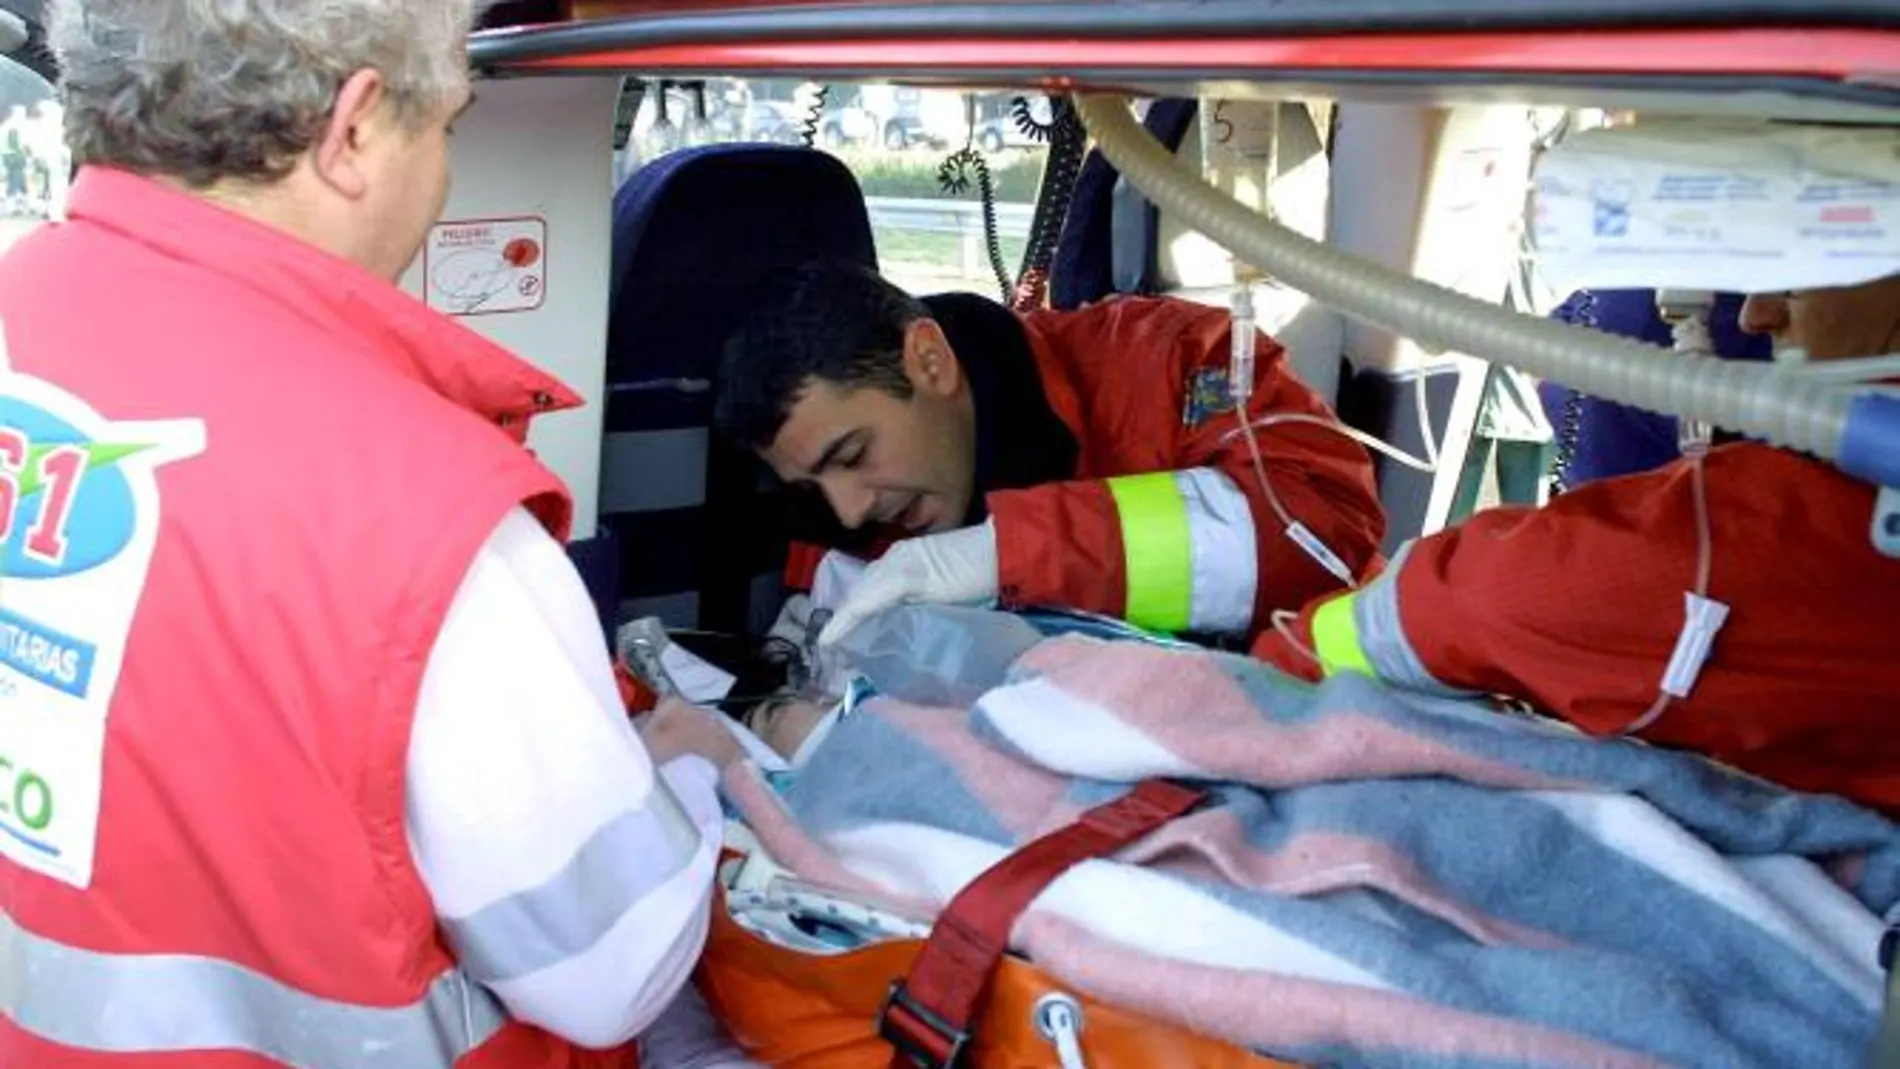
pixel 1859 432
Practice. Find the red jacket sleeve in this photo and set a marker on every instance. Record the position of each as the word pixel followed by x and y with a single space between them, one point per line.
pixel 1572 607
pixel 1115 545
pixel 1576 609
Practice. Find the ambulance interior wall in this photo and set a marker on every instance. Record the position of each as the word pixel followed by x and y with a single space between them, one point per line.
pixel 533 165
pixel 1192 265
pixel 1437 192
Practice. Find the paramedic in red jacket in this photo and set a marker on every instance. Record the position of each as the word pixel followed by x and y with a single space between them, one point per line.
pixel 310 743
pixel 1578 606
pixel 1085 460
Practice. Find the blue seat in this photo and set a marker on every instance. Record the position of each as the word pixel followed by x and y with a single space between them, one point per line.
pixel 697 235
pixel 1602 439
pixel 1109 240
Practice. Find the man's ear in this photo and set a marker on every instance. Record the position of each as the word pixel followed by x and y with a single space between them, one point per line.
pixel 355 121
pixel 929 362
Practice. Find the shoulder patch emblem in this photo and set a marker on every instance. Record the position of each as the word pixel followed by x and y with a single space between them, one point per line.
pixel 1207 395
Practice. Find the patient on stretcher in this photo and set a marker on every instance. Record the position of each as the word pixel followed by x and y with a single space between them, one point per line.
pixel 1401 879
pixel 936 655
pixel 777 734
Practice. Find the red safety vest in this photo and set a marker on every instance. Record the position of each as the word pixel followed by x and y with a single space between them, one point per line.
pixel 242 481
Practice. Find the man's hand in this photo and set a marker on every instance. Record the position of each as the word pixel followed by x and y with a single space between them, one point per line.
pixel 953 568
pixel 679 727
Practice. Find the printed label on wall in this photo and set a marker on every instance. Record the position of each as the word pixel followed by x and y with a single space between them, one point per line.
pixel 486 266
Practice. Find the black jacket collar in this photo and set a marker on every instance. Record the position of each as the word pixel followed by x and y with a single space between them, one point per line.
pixel 1020 441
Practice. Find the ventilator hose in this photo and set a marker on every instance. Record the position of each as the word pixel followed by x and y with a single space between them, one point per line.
pixel 814 117
pixel 1736 395
pixel 1067 146
pixel 954 176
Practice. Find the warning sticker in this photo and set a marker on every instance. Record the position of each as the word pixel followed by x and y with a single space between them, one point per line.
pixel 485 266
pixel 1474 175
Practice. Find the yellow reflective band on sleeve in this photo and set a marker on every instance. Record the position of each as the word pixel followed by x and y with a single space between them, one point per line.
pixel 1336 638
pixel 1157 551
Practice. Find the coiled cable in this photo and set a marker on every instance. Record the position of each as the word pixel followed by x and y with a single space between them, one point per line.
pixel 1570 433
pixel 1023 114
pixel 956 174
pixel 814 117
pixel 1068 145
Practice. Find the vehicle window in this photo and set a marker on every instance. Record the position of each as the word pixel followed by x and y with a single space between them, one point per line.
pixel 914 152
pixel 34 163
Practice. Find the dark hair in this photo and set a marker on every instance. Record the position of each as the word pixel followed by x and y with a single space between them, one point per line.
pixel 826 321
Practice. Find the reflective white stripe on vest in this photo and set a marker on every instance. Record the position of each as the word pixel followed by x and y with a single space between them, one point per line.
pixel 173 1003
pixel 629 858
pixel 1226 554
pixel 1375 611
pixel 1188 548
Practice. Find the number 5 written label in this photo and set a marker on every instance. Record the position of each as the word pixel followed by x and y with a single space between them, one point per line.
pixel 79 519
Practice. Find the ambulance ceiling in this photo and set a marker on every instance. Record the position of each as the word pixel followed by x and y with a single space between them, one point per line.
pixel 1817 59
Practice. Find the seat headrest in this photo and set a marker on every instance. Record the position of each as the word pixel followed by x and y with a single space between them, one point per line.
pixel 698 232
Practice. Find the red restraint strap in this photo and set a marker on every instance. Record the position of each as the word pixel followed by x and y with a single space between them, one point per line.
pixel 927 1016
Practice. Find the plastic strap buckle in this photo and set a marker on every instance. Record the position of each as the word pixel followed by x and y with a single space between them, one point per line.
pixel 919 1036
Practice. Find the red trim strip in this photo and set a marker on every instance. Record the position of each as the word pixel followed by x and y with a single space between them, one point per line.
pixel 1846 54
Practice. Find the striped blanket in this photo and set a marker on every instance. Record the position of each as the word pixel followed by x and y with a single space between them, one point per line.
pixel 1380 880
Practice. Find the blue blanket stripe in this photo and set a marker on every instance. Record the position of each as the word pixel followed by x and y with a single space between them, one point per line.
pixel 1652 966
